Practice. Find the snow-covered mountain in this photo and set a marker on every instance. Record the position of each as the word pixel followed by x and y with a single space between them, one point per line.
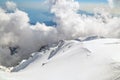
pixel 79 59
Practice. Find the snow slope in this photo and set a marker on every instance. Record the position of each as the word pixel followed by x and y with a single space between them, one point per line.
pixel 97 59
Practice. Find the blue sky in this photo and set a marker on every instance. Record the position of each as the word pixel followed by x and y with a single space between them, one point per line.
pixel 38 12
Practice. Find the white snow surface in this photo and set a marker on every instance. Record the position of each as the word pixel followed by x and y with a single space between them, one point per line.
pixel 97 59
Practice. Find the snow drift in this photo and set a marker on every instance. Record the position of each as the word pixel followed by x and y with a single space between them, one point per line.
pixel 19 39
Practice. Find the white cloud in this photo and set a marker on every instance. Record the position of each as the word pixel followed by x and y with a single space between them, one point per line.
pixel 11 5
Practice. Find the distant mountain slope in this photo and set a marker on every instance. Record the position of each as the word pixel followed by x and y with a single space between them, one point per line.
pixel 97 59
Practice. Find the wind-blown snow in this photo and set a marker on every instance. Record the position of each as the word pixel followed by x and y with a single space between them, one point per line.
pixel 19 39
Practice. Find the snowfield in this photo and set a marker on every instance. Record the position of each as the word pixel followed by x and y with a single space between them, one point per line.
pixel 97 59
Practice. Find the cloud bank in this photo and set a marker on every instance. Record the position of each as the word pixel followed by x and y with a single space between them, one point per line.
pixel 18 38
